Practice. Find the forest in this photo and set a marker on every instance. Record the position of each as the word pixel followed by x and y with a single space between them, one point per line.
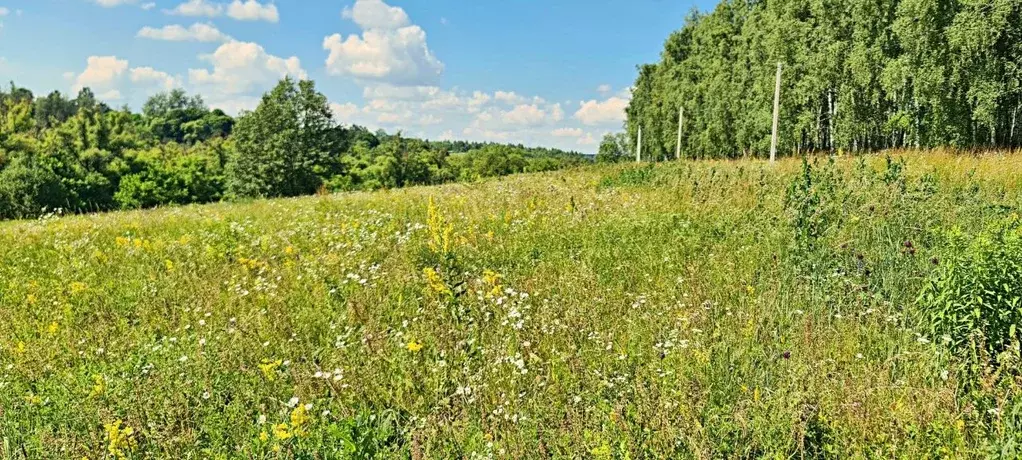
pixel 858 75
pixel 71 155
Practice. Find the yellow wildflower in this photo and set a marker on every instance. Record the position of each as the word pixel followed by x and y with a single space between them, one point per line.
pixel 78 287
pixel 269 368
pixel 299 419
pixel 53 328
pixel 169 265
pixel 119 439
pixel 122 241
pixel 281 432
pixel 435 282
pixel 263 437
pixel 414 347
pixel 100 386
pixel 20 348
pixel 290 250
pixel 31 299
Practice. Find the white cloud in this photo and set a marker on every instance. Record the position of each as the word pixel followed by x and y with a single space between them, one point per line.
pixel 390 49
pixel 566 132
pixel 241 67
pixel 4 11
pixel 252 10
pixel 197 8
pixel 589 140
pixel 527 115
pixel 149 75
pixel 374 14
pixel 113 3
pixel 101 73
pixel 604 89
pixel 148 6
pixel 508 97
pixel 607 112
pixel 109 77
pixel 344 112
pixel 196 32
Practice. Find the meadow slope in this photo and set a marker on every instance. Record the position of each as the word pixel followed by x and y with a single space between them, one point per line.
pixel 693 310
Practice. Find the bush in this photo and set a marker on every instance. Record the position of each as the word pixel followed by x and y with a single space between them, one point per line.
pixel 974 299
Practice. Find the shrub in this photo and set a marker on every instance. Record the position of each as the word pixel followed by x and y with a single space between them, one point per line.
pixel 974 299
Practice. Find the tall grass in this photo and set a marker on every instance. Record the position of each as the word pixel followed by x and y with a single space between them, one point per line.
pixel 693 310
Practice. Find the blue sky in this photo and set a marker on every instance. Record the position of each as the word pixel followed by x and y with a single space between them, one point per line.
pixel 552 72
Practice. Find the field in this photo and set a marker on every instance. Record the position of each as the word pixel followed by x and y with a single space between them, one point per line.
pixel 688 310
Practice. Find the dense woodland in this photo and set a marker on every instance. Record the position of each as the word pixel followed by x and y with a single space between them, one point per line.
pixel 80 155
pixel 858 75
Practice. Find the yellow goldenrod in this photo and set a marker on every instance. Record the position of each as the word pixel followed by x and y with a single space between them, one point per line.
pixel 269 368
pixel 120 439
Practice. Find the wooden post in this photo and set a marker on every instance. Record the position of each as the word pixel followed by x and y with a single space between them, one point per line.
pixel 681 122
pixel 638 147
pixel 777 114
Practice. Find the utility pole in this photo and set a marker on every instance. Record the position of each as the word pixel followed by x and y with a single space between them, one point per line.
pixel 777 110
pixel 638 147
pixel 681 122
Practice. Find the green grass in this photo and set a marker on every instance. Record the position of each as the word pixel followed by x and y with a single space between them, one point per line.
pixel 689 310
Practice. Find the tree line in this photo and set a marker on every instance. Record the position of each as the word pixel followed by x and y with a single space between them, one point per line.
pixel 858 75
pixel 80 155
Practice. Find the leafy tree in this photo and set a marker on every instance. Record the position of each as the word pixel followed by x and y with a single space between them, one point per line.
pixel 282 148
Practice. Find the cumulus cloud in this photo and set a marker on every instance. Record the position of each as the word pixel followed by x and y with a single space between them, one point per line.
pixel 374 14
pixel 607 112
pixel 113 3
pixel 196 32
pixel 252 10
pixel 197 8
pixel 390 49
pixel 110 76
pixel 149 75
pixel 566 132
pixel 240 67
pixel 101 72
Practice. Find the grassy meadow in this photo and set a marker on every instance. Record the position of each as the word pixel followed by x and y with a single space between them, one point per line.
pixel 711 309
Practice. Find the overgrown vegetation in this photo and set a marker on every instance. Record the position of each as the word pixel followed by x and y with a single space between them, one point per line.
pixel 78 155
pixel 859 75
pixel 837 307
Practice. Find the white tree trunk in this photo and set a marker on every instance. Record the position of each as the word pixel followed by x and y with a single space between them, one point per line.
pixel 638 147
pixel 777 114
pixel 681 123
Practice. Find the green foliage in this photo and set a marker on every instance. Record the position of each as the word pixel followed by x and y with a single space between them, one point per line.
pixel 973 301
pixel 858 75
pixel 80 156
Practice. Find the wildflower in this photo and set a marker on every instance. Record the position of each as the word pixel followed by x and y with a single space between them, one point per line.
pixel 414 347
pixel 169 265
pixel 31 299
pixel 299 419
pixel 435 282
pixel 293 401
pixel 53 328
pixel 77 287
pixel 269 368
pixel 119 438
pixel 281 432
pixel 262 419
pixel 263 437
pixel 290 250
pixel 99 386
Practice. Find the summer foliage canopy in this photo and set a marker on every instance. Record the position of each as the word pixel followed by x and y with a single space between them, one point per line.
pixel 858 75
pixel 81 155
